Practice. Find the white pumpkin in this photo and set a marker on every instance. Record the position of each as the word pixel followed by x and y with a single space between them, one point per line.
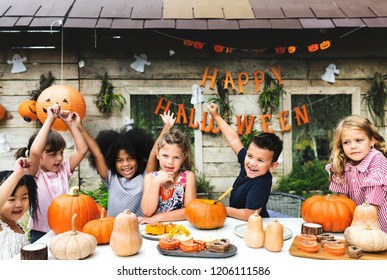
pixel 369 239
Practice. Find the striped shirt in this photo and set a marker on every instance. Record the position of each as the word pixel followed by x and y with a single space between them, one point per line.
pixel 365 182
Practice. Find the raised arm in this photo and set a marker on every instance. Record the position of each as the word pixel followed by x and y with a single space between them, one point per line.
pixel 94 149
pixel 37 147
pixel 71 120
pixel 169 121
pixel 7 187
pixel 231 135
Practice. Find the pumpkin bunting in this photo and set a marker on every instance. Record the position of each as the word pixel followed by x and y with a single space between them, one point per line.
pixel 63 207
pixel 333 212
pixel 67 97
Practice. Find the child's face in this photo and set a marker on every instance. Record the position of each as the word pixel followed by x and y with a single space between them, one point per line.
pixel 258 161
pixel 51 161
pixel 356 144
pixel 170 157
pixel 126 165
pixel 16 205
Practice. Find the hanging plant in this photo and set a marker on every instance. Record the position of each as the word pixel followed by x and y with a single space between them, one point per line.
pixel 269 99
pixel 225 109
pixel 107 102
pixel 376 98
pixel 44 82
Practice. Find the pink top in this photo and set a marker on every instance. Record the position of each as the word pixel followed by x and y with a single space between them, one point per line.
pixel 50 186
pixel 365 182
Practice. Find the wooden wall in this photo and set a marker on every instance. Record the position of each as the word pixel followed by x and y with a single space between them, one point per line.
pixel 358 58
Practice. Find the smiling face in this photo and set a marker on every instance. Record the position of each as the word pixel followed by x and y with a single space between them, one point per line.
pixel 15 207
pixel 170 157
pixel 126 165
pixel 258 161
pixel 356 144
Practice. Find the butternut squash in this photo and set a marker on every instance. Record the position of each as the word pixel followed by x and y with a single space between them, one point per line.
pixel 274 240
pixel 365 214
pixel 254 236
pixel 126 239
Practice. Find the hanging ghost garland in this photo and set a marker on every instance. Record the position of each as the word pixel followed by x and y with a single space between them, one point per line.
pixel 329 75
pixel 4 146
pixel 197 94
pixel 17 61
pixel 140 62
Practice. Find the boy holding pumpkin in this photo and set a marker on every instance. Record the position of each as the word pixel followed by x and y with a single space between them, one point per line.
pixel 252 187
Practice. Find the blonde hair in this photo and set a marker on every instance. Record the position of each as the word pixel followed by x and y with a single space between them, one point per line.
pixel 177 137
pixel 355 122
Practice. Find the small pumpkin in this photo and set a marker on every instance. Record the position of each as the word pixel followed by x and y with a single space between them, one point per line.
pixel 2 112
pixel 274 240
pixel 205 214
pixel 325 44
pixel 333 212
pixel 369 239
pixel 64 206
pixel 254 236
pixel 366 214
pixel 72 245
pixel 67 97
pixel 27 110
pixel 126 239
pixel 100 228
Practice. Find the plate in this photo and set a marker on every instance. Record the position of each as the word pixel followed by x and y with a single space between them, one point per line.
pixel 200 254
pixel 151 236
pixel 240 230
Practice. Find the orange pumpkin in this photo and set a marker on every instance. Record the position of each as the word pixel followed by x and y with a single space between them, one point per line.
pixel 2 112
pixel 204 214
pixel 334 213
pixel 27 110
pixel 62 209
pixel 100 228
pixel 67 97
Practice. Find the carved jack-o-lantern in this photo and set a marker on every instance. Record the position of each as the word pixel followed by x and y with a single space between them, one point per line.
pixel 67 97
pixel 27 110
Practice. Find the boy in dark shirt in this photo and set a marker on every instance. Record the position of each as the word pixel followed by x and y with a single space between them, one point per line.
pixel 252 187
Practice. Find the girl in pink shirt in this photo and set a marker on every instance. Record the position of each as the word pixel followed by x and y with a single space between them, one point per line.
pixel 51 171
pixel 358 164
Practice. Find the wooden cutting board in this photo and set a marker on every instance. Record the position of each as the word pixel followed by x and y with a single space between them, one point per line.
pixel 322 255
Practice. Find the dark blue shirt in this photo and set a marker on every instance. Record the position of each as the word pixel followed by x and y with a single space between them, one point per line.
pixel 250 193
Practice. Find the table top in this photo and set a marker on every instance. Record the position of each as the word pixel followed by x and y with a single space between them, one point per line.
pixel 149 247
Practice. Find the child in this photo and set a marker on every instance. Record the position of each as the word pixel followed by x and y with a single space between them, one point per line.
pixel 18 193
pixel 121 160
pixel 358 164
pixel 252 187
pixel 51 172
pixel 169 190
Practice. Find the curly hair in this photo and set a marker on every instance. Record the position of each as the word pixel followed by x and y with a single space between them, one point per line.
pixel 355 122
pixel 136 142
pixel 29 182
pixel 177 137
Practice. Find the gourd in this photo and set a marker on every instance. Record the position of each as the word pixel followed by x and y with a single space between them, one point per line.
pixel 370 239
pixel 205 213
pixel 72 245
pixel 126 239
pixel 274 240
pixel 366 214
pixel 100 228
pixel 333 212
pixel 254 236
pixel 64 206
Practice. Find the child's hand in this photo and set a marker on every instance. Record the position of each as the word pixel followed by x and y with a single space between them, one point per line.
pixel 53 111
pixel 165 177
pixel 213 109
pixel 77 119
pixel 168 119
pixel 22 165
pixel 66 116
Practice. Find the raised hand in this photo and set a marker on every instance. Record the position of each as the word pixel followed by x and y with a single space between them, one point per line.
pixel 22 165
pixel 53 111
pixel 168 119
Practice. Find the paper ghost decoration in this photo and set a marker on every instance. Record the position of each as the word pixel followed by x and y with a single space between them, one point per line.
pixel 4 146
pixel 128 123
pixel 18 66
pixel 329 75
pixel 197 94
pixel 140 62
